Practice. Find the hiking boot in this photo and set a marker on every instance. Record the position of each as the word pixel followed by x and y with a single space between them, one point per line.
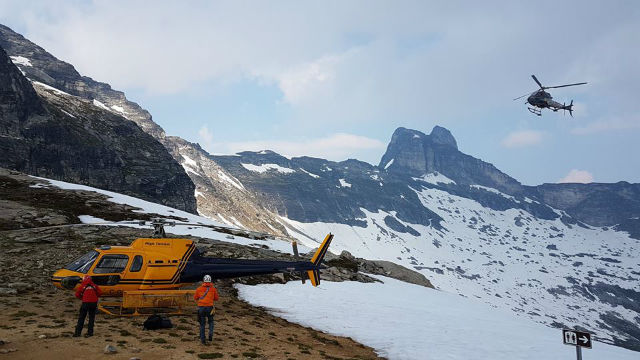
pixel 76 335
pixel 88 335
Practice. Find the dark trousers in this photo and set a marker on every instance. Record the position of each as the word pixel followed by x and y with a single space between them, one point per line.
pixel 204 315
pixel 86 308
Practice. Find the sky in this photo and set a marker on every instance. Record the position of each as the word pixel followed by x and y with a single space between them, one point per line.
pixel 334 79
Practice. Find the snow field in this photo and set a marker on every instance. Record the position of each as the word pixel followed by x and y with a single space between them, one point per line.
pixel 406 321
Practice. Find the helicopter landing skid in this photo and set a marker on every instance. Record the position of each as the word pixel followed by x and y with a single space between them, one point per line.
pixel 535 111
pixel 136 303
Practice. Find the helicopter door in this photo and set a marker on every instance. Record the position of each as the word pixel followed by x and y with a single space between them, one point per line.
pixel 109 269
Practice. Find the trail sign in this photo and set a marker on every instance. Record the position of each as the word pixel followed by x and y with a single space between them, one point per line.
pixel 576 338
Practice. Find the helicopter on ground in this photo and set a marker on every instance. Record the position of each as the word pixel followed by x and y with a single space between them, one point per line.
pixel 540 99
pixel 149 272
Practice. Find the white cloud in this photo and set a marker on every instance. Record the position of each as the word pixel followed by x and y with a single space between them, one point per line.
pixel 410 61
pixel 577 176
pixel 522 138
pixel 206 137
pixel 303 81
pixel 337 147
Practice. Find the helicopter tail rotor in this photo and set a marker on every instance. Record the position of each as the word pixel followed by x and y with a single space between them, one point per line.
pixel 570 108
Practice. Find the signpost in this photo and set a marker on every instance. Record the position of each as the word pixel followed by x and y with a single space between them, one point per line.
pixel 578 339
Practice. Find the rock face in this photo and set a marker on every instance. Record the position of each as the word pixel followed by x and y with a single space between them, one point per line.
pixel 414 153
pixel 317 190
pixel 595 204
pixel 38 65
pixel 46 132
pixel 219 195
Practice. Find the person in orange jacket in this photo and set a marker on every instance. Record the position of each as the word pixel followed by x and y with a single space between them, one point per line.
pixel 205 295
pixel 89 293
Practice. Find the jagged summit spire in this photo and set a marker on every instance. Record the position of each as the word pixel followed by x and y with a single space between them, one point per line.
pixel 440 135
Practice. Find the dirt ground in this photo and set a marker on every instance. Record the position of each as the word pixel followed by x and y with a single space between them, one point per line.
pixel 241 331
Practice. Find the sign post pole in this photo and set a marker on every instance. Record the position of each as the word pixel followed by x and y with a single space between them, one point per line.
pixel 578 339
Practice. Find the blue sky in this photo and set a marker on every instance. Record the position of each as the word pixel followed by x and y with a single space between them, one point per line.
pixel 334 79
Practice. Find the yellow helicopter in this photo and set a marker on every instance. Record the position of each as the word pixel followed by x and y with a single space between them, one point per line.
pixel 149 272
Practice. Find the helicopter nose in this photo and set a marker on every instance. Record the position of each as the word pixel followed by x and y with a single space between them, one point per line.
pixel 70 282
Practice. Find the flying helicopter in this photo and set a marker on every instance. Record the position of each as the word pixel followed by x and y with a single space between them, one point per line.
pixel 540 99
pixel 149 272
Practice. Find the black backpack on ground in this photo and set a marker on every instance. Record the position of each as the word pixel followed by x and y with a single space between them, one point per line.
pixel 155 322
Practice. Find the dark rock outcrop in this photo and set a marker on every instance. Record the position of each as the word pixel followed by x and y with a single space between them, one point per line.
pixel 595 204
pixel 45 68
pixel 413 153
pixel 48 133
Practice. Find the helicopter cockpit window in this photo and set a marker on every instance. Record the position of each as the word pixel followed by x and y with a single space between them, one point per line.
pixel 111 264
pixel 83 263
pixel 136 264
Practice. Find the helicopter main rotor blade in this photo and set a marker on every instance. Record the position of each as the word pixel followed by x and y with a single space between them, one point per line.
pixel 520 97
pixel 559 86
pixel 537 82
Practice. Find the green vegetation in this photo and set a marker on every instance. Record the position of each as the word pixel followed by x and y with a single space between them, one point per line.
pixel 23 313
pixel 210 355
pixel 159 341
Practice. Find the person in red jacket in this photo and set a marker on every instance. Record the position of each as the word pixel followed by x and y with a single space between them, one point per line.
pixel 205 295
pixel 89 293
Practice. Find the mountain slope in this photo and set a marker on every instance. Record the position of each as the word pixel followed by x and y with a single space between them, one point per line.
pixel 471 228
pixel 46 132
pixel 218 196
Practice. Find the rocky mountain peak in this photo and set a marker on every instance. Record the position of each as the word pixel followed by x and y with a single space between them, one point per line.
pixel 412 153
pixel 440 135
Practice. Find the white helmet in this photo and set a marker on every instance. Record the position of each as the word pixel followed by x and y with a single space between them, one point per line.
pixel 207 278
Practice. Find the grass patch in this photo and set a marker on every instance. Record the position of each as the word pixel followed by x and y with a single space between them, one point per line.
pixel 325 340
pixel 125 333
pixel 210 355
pixel 159 341
pixel 251 355
pixel 23 313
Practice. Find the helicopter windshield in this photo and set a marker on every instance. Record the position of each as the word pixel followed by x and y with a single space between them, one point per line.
pixel 83 263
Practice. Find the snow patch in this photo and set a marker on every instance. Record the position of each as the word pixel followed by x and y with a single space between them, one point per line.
pixel 388 164
pixel 69 114
pixel 55 90
pixel 344 183
pixel 21 60
pixel 411 321
pixel 189 161
pixel 310 174
pixel 228 179
pixel 119 109
pixel 435 178
pixel 100 105
pixel 267 167
pixel 492 190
